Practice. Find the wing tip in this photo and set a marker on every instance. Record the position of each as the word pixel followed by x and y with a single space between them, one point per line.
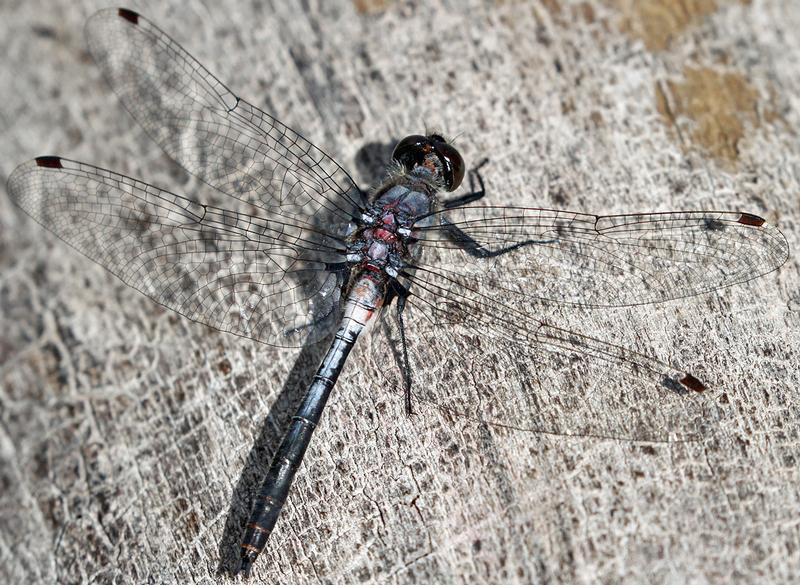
pixel 49 162
pixel 129 15
pixel 751 219
pixel 692 383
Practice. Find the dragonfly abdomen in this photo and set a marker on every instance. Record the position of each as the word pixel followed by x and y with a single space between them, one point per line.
pixel 365 299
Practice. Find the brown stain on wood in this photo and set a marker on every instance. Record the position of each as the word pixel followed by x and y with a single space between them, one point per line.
pixel 712 110
pixel 371 6
pixel 585 11
pixel 563 15
pixel 552 6
pixel 658 22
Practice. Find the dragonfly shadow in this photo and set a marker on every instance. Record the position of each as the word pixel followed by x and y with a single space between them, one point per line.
pixel 371 161
pixel 258 460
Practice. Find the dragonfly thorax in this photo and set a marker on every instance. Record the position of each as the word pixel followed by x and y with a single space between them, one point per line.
pixel 379 244
pixel 384 240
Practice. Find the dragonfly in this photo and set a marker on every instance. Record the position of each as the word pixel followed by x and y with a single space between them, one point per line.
pixel 297 252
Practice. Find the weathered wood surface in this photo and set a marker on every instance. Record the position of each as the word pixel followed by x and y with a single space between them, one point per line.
pixel 131 440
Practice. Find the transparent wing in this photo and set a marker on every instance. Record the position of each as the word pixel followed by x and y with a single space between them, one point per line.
pixel 215 135
pixel 600 261
pixel 492 360
pixel 481 272
pixel 271 279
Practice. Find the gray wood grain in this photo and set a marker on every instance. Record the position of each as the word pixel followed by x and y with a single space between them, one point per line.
pixel 131 440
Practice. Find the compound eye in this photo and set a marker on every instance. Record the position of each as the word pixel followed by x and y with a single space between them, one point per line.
pixel 411 150
pixel 452 165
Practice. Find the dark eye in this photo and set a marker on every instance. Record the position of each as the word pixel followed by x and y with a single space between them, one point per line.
pixel 452 165
pixel 410 151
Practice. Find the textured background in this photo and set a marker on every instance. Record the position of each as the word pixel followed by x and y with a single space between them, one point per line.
pixel 131 440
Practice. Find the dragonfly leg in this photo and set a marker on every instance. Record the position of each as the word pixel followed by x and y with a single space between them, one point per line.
pixel 401 293
pixel 474 248
pixel 467 243
pixel 477 190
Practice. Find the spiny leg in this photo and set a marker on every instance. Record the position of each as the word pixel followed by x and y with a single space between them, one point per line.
pixel 466 242
pixel 473 248
pixel 401 293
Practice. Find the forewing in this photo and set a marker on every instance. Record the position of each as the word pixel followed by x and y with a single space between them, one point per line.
pixel 215 135
pixel 597 261
pixel 271 279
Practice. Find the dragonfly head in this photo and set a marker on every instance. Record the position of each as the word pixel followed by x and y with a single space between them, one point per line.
pixel 434 153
